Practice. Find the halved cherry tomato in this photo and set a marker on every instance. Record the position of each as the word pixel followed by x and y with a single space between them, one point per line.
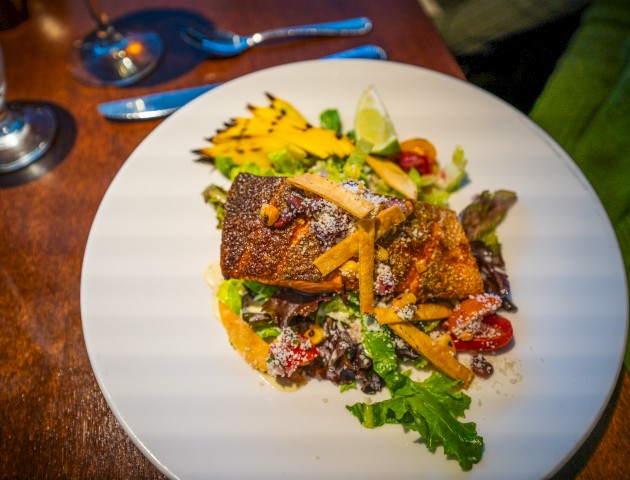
pixel 408 160
pixel 469 310
pixel 495 332
pixel 417 153
pixel 421 146
pixel 289 351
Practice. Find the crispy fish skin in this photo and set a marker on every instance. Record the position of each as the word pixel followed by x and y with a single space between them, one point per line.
pixel 428 254
pixel 276 256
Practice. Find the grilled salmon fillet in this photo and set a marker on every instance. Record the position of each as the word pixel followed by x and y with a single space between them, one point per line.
pixel 428 254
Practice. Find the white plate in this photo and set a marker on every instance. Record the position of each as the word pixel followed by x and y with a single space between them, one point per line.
pixel 194 407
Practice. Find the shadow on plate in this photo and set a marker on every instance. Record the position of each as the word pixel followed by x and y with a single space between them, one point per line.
pixel 179 57
pixel 61 146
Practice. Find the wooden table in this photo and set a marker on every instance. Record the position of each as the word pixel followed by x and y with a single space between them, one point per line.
pixel 54 421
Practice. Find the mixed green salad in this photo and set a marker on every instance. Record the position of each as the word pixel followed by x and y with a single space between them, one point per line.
pixel 325 336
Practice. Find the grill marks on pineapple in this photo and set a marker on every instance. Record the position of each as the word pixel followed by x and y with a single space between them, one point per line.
pixel 272 128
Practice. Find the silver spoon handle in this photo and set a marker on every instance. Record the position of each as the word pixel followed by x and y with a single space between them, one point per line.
pixel 352 26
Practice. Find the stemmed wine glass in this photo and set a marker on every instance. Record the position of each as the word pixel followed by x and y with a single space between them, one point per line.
pixel 26 130
pixel 112 57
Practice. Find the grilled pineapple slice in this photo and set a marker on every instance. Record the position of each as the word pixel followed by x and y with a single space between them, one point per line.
pixel 271 128
pixel 244 150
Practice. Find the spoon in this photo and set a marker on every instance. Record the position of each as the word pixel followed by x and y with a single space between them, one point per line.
pixel 227 44
pixel 162 104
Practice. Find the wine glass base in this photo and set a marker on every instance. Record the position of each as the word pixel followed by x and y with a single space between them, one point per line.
pixel 26 143
pixel 116 59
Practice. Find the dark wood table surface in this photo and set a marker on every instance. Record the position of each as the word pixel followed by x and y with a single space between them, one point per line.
pixel 54 421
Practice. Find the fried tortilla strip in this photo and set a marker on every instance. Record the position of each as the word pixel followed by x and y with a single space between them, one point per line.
pixel 366 265
pixel 394 176
pixel 431 311
pixel 349 247
pixel 387 315
pixel 425 312
pixel 438 355
pixel 333 192
pixel 244 340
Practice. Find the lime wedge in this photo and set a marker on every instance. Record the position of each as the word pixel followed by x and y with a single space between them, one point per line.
pixel 372 123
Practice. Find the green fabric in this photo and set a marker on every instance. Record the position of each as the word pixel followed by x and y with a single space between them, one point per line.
pixel 585 107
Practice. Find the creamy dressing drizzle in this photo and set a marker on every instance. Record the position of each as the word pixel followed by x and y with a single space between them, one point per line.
pixel 274 383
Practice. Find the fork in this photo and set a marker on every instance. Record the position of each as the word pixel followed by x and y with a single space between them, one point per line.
pixel 227 44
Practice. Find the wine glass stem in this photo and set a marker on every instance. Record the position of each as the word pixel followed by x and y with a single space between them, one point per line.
pixel 104 26
pixel 10 126
pixel 4 111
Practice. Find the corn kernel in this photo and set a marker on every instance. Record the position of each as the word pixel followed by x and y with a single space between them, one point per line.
pixel 349 268
pixel 269 214
pixel 381 254
pixel 315 334
pixel 466 336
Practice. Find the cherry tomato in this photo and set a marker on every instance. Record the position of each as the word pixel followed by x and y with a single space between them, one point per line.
pixel 417 153
pixel 421 146
pixel 495 332
pixel 289 351
pixel 470 310
pixel 408 160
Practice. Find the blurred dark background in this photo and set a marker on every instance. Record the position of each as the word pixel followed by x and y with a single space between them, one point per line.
pixel 517 67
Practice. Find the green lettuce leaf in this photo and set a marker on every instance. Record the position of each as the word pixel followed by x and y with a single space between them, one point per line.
pixel 231 293
pixel 454 173
pixel 217 197
pixel 285 164
pixel 416 178
pixel 430 408
pixel 332 168
pixel 254 169
pixel 339 310
pixel 437 197
pixel 261 291
pixel 356 159
pixel 267 331
pixel 380 347
pixel 331 120
pixel 224 165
